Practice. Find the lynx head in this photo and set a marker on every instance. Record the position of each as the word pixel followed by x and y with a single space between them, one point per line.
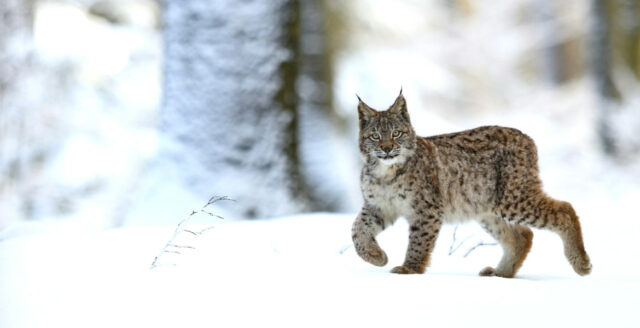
pixel 386 136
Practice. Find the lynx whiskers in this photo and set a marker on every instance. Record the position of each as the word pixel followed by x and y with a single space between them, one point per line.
pixel 489 174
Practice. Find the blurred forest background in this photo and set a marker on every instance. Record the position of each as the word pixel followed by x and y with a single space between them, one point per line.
pixel 116 112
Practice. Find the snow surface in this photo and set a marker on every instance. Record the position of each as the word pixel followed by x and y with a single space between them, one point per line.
pixel 302 272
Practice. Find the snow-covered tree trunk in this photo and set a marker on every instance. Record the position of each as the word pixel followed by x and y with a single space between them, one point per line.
pixel 629 21
pixel 16 17
pixel 601 71
pixel 552 59
pixel 16 20
pixel 230 104
pixel 17 135
pixel 319 130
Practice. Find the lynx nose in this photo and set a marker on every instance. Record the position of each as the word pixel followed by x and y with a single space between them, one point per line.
pixel 386 148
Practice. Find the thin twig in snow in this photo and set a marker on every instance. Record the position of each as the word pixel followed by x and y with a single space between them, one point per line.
pixel 191 232
pixel 182 246
pixel 453 247
pixel 180 228
pixel 344 249
pixel 481 243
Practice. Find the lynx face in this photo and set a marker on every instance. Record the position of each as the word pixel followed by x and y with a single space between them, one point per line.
pixel 386 136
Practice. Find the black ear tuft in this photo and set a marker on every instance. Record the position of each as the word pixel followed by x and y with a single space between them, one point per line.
pixel 365 113
pixel 400 107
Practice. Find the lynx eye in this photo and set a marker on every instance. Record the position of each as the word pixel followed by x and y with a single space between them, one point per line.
pixel 396 134
pixel 375 137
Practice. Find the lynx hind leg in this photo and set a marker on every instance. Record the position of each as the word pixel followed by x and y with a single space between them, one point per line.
pixel 571 234
pixel 516 242
pixel 560 217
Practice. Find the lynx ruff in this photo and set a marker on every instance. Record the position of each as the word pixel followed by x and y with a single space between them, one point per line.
pixel 489 174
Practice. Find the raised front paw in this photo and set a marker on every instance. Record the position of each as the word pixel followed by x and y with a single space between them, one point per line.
pixel 375 256
pixel 401 269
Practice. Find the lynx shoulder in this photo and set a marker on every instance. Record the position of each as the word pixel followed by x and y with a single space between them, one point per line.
pixel 488 174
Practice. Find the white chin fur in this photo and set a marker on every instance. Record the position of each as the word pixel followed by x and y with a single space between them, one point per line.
pixel 390 161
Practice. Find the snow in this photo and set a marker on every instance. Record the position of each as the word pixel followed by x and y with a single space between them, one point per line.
pixel 301 271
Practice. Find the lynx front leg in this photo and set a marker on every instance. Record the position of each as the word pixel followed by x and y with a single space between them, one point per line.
pixel 367 226
pixel 422 239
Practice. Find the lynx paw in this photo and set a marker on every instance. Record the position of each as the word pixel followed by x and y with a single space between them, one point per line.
pixel 491 272
pixel 488 272
pixel 401 269
pixel 582 266
pixel 375 256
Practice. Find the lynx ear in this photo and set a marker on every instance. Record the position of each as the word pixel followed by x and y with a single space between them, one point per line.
pixel 365 113
pixel 400 107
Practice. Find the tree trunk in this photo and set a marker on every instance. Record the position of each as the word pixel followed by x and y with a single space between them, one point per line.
pixel 552 58
pixel 16 17
pixel 230 105
pixel 629 22
pixel 319 123
pixel 601 71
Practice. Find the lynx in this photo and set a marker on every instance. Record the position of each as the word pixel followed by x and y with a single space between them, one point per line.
pixel 489 174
